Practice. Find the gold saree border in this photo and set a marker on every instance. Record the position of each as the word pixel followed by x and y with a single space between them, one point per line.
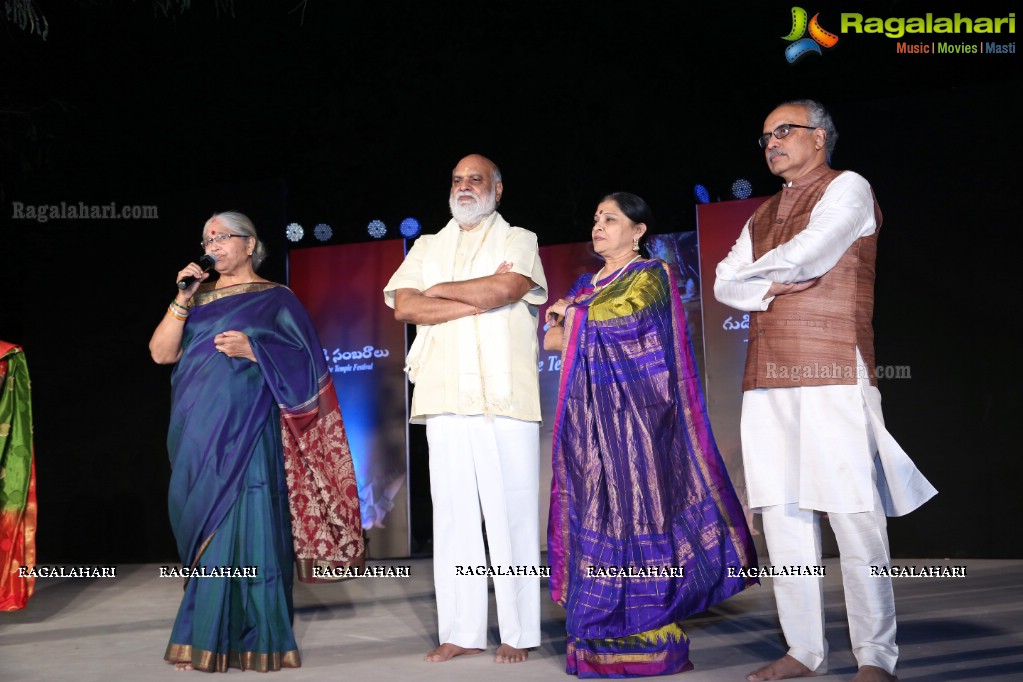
pixel 208 294
pixel 305 568
pixel 209 661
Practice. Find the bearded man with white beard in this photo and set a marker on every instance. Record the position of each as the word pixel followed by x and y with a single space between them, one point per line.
pixel 473 291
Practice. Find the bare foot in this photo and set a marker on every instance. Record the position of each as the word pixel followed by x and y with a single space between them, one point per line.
pixel 183 666
pixel 447 651
pixel 872 673
pixel 784 668
pixel 506 653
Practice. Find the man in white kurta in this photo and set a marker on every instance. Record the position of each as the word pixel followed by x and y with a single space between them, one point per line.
pixel 473 289
pixel 822 447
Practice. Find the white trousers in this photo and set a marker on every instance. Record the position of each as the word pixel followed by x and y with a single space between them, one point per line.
pixel 491 463
pixel 794 538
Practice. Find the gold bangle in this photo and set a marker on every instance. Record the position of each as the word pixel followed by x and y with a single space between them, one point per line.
pixel 176 315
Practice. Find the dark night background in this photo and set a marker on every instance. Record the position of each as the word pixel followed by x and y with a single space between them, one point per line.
pixel 345 112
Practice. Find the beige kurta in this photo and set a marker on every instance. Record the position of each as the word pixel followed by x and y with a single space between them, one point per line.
pixel 481 364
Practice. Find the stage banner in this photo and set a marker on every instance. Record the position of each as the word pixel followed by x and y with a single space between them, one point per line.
pixel 365 350
pixel 725 332
pixel 563 264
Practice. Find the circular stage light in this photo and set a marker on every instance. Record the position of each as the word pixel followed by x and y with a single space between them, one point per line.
pixel 702 194
pixel 376 229
pixel 294 232
pixel 410 228
pixel 323 232
pixel 742 189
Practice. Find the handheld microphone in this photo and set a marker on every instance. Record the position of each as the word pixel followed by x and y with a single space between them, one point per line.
pixel 207 262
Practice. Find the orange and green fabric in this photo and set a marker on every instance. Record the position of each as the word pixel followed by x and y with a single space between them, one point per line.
pixel 17 480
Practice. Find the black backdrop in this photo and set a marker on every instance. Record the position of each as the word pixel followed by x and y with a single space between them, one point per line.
pixel 361 111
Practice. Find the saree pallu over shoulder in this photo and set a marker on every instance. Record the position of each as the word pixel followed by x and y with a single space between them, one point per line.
pixel 326 520
pixel 322 491
pixel 17 480
pixel 261 477
pixel 644 522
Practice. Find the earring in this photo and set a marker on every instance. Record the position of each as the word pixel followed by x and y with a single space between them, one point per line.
pixel 635 245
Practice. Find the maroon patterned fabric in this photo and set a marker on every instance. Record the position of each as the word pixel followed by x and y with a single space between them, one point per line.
pixel 325 516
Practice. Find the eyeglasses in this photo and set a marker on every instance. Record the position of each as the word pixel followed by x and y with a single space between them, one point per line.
pixel 781 132
pixel 222 237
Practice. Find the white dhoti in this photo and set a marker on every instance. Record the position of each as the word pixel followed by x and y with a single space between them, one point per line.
pixel 817 449
pixel 490 463
pixel 793 539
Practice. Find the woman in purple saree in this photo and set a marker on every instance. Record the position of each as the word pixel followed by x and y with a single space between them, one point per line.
pixel 261 474
pixel 644 522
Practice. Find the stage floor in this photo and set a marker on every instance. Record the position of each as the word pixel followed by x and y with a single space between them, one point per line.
pixel 963 628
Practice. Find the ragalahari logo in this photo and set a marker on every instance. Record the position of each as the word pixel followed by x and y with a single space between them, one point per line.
pixel 800 45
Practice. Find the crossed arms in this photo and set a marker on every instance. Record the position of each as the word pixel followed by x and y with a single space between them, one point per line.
pixel 453 300
pixel 844 214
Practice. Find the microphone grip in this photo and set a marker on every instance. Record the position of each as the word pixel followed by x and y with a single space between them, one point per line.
pixel 206 263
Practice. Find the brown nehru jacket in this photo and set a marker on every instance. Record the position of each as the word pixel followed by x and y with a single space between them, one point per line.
pixel 809 338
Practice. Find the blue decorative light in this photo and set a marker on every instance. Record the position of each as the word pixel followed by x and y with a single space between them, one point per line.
pixel 410 228
pixel 294 232
pixel 323 232
pixel 376 229
pixel 702 195
pixel 742 189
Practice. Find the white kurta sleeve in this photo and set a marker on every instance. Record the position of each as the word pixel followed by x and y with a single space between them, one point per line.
pixel 732 289
pixel 522 251
pixel 844 214
pixel 409 274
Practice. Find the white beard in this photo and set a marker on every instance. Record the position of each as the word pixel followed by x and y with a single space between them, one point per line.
pixel 471 215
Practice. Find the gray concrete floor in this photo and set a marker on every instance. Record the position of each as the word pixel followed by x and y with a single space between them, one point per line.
pixel 378 629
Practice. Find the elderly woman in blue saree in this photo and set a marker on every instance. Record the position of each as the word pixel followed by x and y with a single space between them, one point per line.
pixel 644 522
pixel 261 474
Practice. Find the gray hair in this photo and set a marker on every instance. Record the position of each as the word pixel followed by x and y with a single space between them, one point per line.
pixel 818 117
pixel 239 223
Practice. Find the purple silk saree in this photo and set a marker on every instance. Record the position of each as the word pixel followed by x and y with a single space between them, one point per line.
pixel 639 487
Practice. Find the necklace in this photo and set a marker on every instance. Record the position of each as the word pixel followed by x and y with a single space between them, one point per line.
pixel 596 277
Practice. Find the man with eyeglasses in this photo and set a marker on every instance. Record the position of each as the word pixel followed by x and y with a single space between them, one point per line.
pixel 813 436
